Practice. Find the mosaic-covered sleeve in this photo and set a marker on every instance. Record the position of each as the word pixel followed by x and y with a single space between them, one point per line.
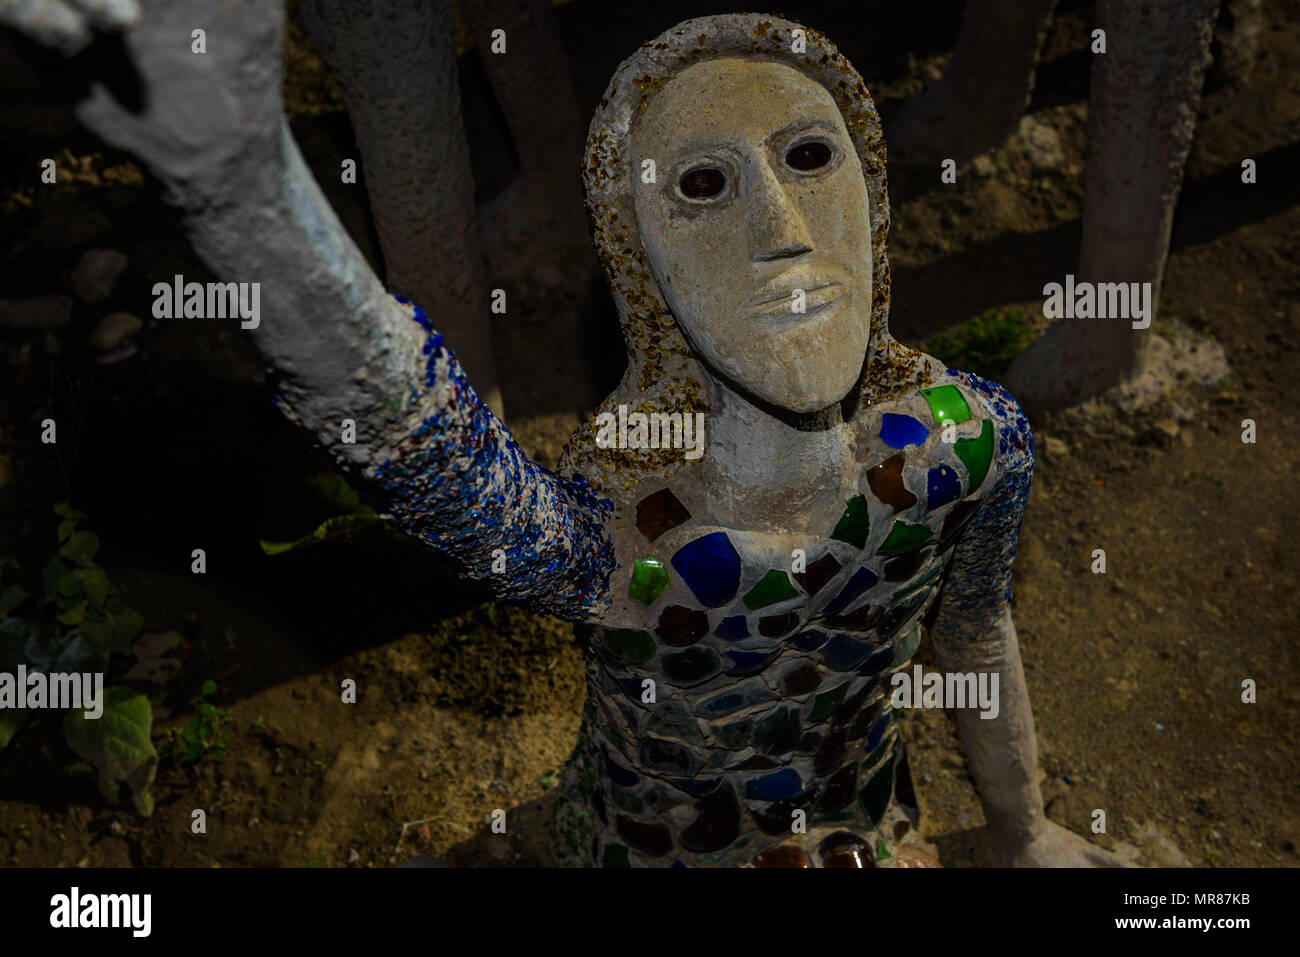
pixel 977 587
pixel 459 482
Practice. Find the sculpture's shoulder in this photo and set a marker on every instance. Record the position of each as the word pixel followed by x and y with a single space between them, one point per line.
pixel 955 414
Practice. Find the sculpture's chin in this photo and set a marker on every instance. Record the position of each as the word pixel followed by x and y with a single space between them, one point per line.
pixel 800 387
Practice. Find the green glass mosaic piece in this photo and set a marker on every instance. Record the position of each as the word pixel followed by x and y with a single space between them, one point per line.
pixel 771 588
pixel 907 645
pixel 903 538
pixel 883 749
pixel 874 797
pixel 826 702
pixel 947 404
pixel 616 856
pixel 632 646
pixel 649 579
pixel 625 800
pixel 882 852
pixel 916 584
pixel 777 732
pixel 854 525
pixel 976 454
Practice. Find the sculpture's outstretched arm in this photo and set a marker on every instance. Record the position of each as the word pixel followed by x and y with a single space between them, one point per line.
pixel 973 632
pixel 208 122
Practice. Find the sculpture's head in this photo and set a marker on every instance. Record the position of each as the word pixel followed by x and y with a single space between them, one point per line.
pixel 757 227
pixel 735 170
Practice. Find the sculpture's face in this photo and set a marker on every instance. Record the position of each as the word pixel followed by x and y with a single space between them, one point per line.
pixel 758 207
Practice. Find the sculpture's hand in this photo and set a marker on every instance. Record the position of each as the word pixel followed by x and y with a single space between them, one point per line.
pixel 67 25
pixel 188 116
pixel 1052 846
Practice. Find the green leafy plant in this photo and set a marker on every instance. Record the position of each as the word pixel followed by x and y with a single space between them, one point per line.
pixel 319 509
pixel 80 625
pixel 205 735
pixel 985 344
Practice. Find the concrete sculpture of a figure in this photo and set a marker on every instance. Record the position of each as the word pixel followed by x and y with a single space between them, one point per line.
pixel 742 610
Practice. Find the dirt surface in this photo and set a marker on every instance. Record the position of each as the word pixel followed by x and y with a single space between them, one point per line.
pixel 463 708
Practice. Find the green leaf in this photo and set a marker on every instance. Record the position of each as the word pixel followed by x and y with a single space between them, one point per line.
pixel 209 687
pixel 71 585
pixel 66 528
pixel 74 615
pixel 53 573
pixel 97 585
pixel 113 629
pixel 317 859
pixel 117 744
pixel 81 548
pixel 68 512
pixel 11 598
pixel 319 509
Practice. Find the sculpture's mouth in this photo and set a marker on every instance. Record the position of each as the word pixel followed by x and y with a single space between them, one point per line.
pixel 794 293
pixel 795 307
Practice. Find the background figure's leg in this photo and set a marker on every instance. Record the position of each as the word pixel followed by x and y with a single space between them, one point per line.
pixel 543 207
pixel 395 61
pixel 979 101
pixel 1146 89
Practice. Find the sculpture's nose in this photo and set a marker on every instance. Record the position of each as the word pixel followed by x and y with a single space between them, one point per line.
pixel 776 227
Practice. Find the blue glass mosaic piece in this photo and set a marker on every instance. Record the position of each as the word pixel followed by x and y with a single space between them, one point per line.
pixel 732 629
pixel 733 699
pixel 878 661
pixel 808 640
pixel 877 731
pixel 862 579
pixel 711 569
pixel 776 786
pixel 899 431
pixel 944 486
pixel 749 662
pixel 842 652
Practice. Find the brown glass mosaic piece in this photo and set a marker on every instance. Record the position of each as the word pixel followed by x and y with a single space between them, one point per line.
pixel 783 855
pixel 717 824
pixel 774 626
pixel 680 626
pixel 903 567
pixel 860 620
pixel 845 849
pixel 817 574
pixel 886 481
pixel 803 678
pixel 657 513
pixel 956 520
pixel 653 840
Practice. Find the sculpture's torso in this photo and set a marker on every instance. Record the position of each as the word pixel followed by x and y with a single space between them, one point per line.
pixel 739 677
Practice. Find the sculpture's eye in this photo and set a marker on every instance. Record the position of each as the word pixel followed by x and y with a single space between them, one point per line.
pixel 808 156
pixel 702 183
